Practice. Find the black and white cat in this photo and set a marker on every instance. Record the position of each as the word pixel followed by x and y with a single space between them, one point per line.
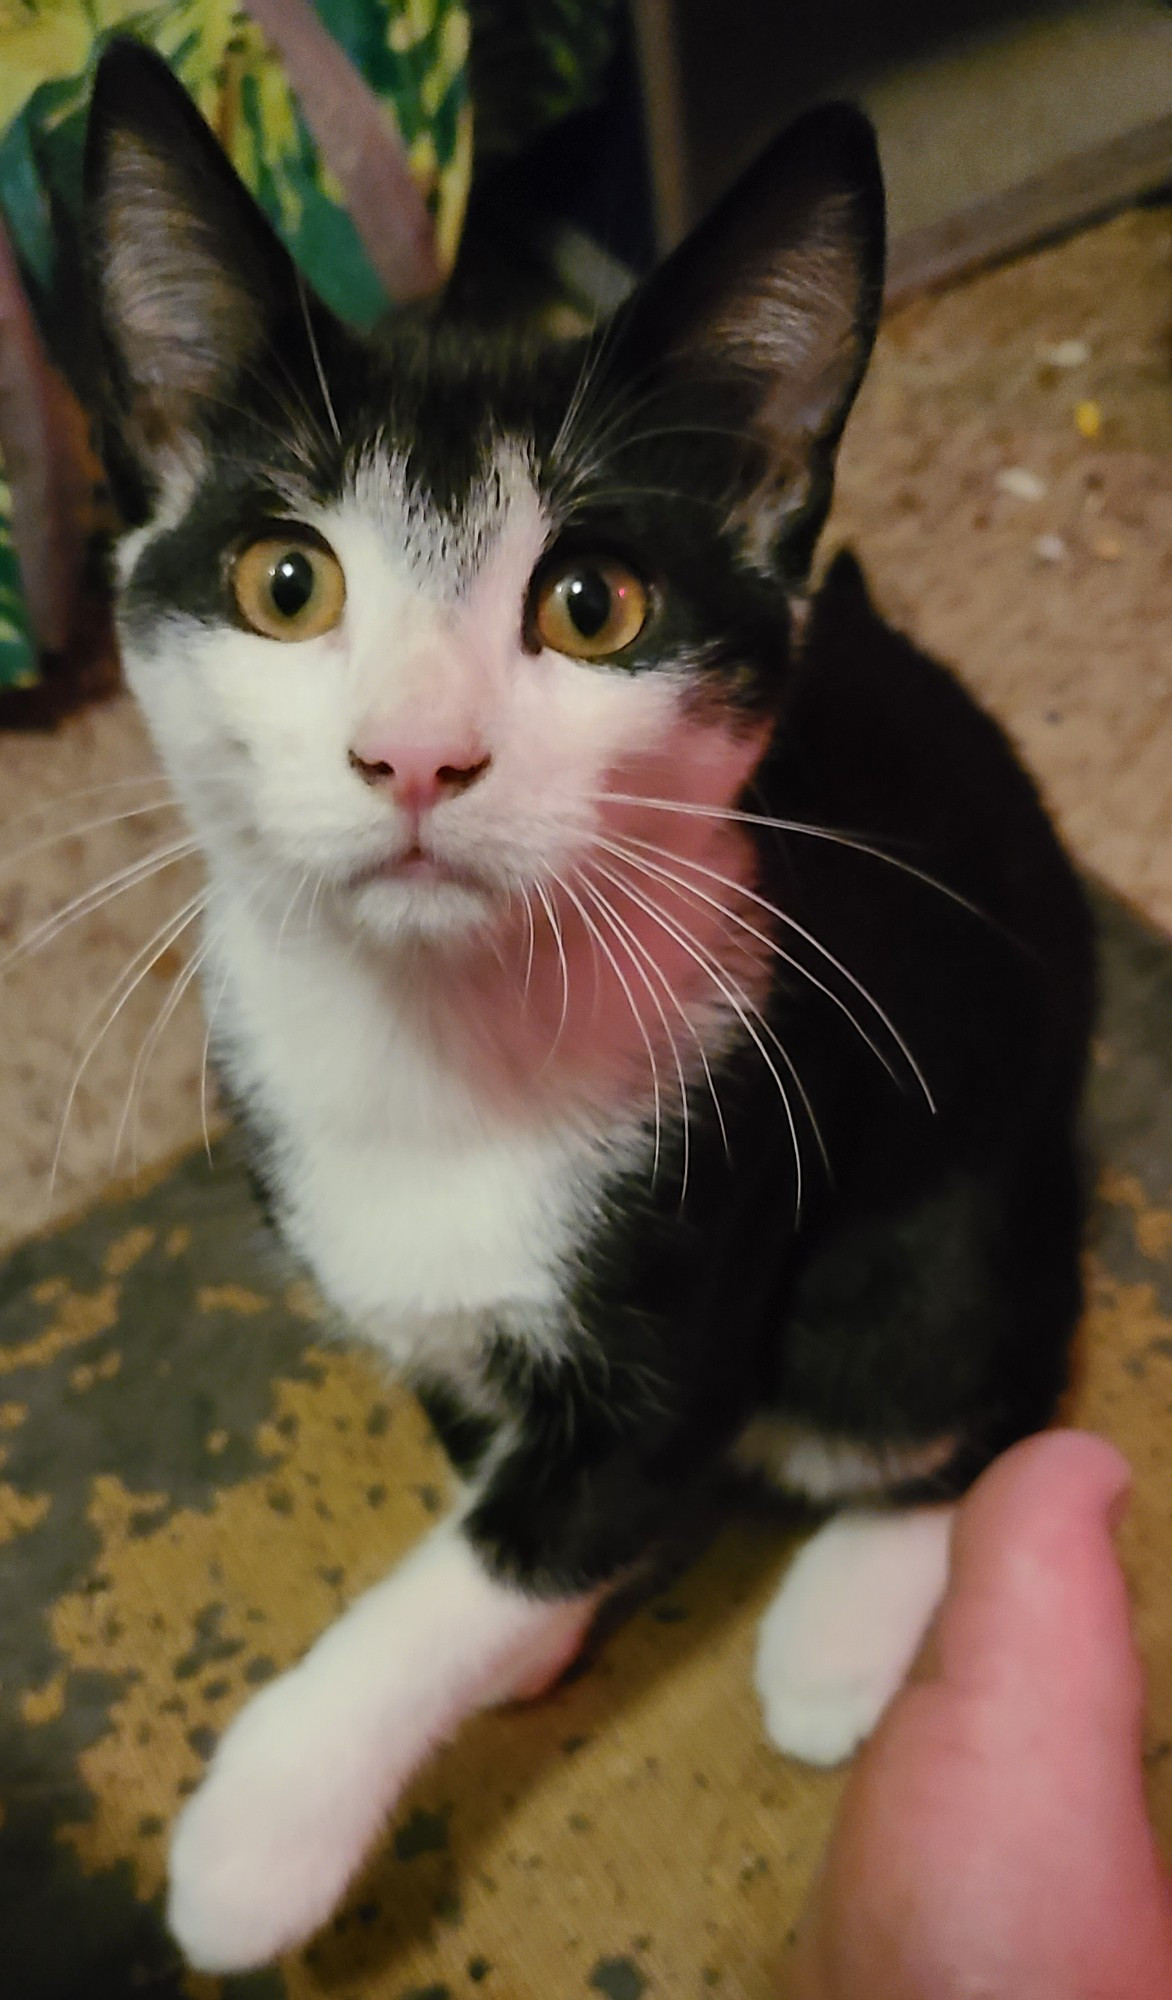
pixel 657 1002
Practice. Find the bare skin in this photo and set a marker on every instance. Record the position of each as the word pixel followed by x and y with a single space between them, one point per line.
pixel 993 1841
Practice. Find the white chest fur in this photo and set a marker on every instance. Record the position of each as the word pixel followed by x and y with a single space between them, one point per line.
pixel 414 1205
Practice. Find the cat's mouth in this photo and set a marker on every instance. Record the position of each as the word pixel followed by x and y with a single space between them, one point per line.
pixel 415 868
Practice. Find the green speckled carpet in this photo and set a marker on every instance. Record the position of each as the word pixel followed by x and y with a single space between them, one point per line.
pixel 192 1482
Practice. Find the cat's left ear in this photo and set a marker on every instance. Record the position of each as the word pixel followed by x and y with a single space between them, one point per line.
pixel 769 311
pixel 187 278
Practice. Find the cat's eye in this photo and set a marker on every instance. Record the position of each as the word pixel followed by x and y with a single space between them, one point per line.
pixel 289 587
pixel 590 608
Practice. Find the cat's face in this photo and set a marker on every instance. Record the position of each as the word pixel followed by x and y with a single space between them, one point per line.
pixel 419 627
pixel 350 685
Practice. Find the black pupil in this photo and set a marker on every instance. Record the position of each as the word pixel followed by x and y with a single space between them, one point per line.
pixel 588 601
pixel 291 583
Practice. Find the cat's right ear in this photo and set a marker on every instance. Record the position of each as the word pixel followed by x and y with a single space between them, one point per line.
pixel 187 278
pixel 762 321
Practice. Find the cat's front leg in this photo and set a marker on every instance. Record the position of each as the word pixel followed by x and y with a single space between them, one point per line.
pixel 839 1637
pixel 307 1774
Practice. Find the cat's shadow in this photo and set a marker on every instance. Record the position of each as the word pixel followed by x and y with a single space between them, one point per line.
pixel 434 1855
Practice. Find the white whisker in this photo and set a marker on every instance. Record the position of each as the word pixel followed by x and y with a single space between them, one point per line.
pixel 150 1042
pixel 9 861
pixel 615 967
pixel 314 350
pixel 746 1012
pixel 302 885
pixel 592 353
pixel 611 495
pixel 621 410
pixel 213 1010
pixel 120 992
pixel 663 873
pixel 318 886
pixel 71 797
pixel 837 838
pixel 688 1023
pixel 544 899
pixel 96 897
pixel 215 938
pixel 531 946
pixel 633 943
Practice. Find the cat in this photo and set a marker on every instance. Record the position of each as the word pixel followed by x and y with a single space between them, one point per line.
pixel 653 994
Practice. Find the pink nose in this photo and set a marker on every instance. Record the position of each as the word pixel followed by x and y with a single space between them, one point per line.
pixel 418 774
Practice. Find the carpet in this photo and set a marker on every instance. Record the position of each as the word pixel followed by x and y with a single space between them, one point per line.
pixel 194 1478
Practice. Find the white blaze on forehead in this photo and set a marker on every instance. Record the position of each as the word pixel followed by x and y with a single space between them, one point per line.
pixel 436 610
pixel 435 605
pixel 444 551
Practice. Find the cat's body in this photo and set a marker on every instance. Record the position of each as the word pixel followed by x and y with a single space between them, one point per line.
pixel 471 1238
pixel 661 1052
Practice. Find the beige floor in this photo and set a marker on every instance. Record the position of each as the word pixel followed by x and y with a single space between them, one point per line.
pixel 1058 609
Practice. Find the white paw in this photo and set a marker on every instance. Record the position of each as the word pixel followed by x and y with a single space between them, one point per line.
pixel 846 1625
pixel 306 1776
pixel 821 1725
pixel 267 1846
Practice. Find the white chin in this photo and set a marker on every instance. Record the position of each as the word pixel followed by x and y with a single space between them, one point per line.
pixel 394 911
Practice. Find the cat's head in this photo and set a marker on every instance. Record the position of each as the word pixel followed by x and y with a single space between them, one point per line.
pixel 403 618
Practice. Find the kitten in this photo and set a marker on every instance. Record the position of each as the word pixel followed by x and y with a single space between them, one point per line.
pixel 657 1003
